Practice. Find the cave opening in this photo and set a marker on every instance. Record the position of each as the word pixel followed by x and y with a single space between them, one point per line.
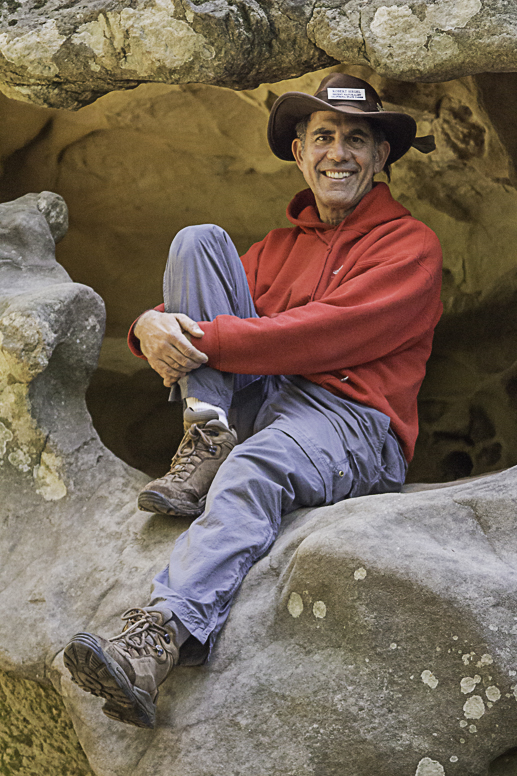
pixel 135 167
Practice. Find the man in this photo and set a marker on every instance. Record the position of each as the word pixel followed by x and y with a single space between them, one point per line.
pixel 335 316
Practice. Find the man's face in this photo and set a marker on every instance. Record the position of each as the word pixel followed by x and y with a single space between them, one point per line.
pixel 338 162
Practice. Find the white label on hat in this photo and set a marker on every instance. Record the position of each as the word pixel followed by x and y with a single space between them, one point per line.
pixel 346 94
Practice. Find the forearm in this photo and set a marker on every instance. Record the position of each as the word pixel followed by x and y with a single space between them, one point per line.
pixel 316 338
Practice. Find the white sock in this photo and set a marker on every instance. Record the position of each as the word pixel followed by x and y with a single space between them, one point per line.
pixel 197 405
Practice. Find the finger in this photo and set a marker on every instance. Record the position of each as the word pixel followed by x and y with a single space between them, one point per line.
pixel 166 371
pixel 189 325
pixel 170 381
pixel 168 351
pixel 176 360
pixel 161 331
pixel 187 350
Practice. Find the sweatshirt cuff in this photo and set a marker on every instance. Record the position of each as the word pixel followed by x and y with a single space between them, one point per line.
pixel 209 344
pixel 134 343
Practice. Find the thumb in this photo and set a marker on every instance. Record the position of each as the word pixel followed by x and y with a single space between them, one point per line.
pixel 189 325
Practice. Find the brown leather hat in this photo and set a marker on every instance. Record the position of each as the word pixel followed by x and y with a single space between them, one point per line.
pixel 342 94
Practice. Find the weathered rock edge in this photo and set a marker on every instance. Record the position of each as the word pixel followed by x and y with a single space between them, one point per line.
pixel 379 633
pixel 65 55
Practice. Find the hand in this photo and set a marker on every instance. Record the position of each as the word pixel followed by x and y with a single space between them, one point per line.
pixel 165 342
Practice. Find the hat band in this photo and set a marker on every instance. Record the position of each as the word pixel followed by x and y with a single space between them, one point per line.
pixel 365 108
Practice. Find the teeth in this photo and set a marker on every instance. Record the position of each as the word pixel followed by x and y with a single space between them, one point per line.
pixel 336 174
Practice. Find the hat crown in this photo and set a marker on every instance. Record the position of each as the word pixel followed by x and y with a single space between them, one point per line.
pixel 339 93
pixel 343 89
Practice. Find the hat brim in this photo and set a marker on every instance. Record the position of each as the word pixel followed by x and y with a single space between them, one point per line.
pixel 399 128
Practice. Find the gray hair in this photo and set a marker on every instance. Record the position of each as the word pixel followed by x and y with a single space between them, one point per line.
pixel 301 129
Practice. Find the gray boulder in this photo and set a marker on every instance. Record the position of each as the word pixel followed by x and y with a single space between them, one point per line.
pixel 377 637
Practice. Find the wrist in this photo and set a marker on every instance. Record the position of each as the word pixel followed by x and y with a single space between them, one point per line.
pixel 141 321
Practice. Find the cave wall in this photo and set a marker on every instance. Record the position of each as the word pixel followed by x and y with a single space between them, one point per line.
pixel 134 167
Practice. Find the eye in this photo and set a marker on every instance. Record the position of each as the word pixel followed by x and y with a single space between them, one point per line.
pixel 357 140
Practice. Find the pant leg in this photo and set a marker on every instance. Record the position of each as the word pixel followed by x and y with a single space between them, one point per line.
pixel 309 448
pixel 204 277
pixel 264 478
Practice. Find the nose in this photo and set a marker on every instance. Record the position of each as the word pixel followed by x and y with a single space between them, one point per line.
pixel 339 151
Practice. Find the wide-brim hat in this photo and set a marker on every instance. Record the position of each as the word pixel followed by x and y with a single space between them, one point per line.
pixel 342 93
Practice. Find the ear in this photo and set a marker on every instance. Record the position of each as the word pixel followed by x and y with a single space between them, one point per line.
pixel 382 153
pixel 297 149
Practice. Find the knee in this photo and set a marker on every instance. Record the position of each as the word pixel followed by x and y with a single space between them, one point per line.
pixel 201 234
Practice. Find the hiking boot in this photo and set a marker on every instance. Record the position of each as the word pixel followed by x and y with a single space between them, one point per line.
pixel 126 669
pixel 206 444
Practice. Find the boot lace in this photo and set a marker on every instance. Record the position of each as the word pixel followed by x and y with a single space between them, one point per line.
pixel 141 634
pixel 190 452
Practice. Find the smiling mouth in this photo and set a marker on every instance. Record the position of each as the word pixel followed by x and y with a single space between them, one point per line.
pixel 337 174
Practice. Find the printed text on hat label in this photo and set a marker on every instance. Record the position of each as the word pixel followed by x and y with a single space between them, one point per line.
pixel 346 94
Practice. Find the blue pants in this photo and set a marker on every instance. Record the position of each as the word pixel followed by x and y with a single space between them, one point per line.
pixel 299 445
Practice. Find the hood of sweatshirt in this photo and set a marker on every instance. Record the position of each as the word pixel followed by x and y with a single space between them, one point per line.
pixel 376 208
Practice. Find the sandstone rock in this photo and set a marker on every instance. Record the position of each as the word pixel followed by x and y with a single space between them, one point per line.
pixel 67 55
pixel 378 635
pixel 362 640
pixel 136 167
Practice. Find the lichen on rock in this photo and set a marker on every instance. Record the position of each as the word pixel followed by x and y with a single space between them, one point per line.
pixel 414 41
pixel 31 329
pixel 24 353
pixel 36 734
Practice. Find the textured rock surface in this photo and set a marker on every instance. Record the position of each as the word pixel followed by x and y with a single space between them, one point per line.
pixel 379 634
pixel 66 54
pixel 376 634
pixel 413 41
pixel 36 735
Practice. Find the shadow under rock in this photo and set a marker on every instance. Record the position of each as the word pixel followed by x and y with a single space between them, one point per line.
pixel 134 418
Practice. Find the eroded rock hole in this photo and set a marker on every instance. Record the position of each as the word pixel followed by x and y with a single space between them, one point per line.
pixel 133 416
pixel 456 465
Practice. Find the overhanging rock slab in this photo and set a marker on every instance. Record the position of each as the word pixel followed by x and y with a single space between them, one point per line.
pixel 63 54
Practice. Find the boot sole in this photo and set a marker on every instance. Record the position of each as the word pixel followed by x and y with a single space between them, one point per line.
pixel 97 673
pixel 153 501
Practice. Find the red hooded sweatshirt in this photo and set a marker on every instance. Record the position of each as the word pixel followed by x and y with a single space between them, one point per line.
pixel 350 307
